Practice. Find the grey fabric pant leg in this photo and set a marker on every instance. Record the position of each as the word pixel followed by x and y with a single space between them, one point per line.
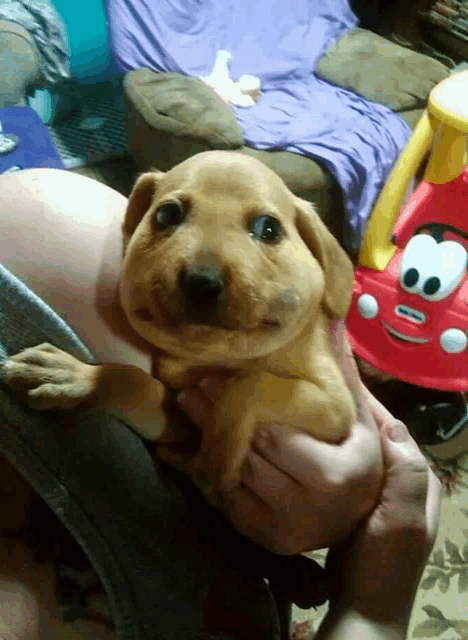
pixel 19 63
pixel 173 568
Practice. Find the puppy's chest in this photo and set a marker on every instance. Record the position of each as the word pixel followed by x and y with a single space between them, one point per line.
pixel 176 373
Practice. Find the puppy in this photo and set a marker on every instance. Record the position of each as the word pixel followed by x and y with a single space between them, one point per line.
pixel 224 270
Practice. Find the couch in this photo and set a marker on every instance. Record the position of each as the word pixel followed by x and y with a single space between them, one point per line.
pixel 171 116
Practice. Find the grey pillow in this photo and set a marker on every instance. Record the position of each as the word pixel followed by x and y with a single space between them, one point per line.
pixel 381 71
pixel 184 106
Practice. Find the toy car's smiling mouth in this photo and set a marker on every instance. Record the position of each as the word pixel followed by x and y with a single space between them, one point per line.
pixel 403 336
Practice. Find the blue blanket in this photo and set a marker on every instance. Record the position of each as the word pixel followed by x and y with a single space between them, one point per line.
pixel 36 147
pixel 281 43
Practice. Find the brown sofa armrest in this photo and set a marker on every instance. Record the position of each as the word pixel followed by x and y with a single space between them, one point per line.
pixel 183 106
pixel 381 71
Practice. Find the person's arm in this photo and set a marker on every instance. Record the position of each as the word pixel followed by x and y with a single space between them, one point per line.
pixel 351 625
pixel 375 573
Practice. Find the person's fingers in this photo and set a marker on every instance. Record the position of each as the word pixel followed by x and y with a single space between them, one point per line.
pixel 399 447
pixel 345 357
pixel 424 486
pixel 313 462
pixel 213 387
pixel 382 416
pixel 409 503
pixel 265 480
pixel 433 504
pixel 196 405
pixel 409 483
pixel 344 354
pixel 338 339
pixel 250 515
pixel 197 402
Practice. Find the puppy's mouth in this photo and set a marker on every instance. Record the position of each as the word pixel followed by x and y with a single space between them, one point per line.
pixel 175 314
pixel 200 323
pixel 207 326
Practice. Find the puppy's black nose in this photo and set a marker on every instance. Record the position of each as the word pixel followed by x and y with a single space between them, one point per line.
pixel 204 286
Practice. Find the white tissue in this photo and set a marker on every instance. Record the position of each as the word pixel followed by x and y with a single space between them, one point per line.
pixel 244 93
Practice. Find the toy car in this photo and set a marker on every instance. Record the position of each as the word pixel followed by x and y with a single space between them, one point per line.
pixel 409 314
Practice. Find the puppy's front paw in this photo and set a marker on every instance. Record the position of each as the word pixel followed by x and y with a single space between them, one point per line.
pixel 50 377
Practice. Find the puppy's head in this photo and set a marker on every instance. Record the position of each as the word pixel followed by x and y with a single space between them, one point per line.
pixel 222 262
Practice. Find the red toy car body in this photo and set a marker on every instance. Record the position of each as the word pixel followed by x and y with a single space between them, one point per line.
pixel 411 319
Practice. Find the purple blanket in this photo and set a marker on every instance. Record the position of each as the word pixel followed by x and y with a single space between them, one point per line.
pixel 281 43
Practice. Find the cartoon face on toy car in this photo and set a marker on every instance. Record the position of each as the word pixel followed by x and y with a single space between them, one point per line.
pixel 416 311
pixel 431 269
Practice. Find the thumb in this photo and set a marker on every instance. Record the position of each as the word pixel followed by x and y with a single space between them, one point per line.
pixel 410 480
pixel 398 446
pixel 381 414
pixel 407 468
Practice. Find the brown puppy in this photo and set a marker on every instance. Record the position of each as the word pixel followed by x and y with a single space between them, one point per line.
pixel 224 269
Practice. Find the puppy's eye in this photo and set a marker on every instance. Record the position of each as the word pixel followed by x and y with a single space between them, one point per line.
pixel 266 228
pixel 169 214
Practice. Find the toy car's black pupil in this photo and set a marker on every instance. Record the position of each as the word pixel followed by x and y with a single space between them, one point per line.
pixel 431 286
pixel 169 214
pixel 411 277
pixel 266 228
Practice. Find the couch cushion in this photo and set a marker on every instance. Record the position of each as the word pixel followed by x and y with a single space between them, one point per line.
pixel 412 116
pixel 381 71
pixel 184 106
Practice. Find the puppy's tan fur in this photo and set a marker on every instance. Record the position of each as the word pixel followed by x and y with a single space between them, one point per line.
pixel 271 329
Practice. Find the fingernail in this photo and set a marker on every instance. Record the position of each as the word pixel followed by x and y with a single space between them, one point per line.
pixel 397 432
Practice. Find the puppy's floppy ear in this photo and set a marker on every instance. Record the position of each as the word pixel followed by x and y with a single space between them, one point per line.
pixel 139 202
pixel 336 265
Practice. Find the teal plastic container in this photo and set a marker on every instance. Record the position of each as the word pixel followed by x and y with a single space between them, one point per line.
pixel 89 38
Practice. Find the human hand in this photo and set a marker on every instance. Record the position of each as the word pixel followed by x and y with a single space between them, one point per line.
pixel 297 493
pixel 376 570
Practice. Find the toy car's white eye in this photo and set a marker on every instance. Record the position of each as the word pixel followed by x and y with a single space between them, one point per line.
pixel 417 261
pixel 430 269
